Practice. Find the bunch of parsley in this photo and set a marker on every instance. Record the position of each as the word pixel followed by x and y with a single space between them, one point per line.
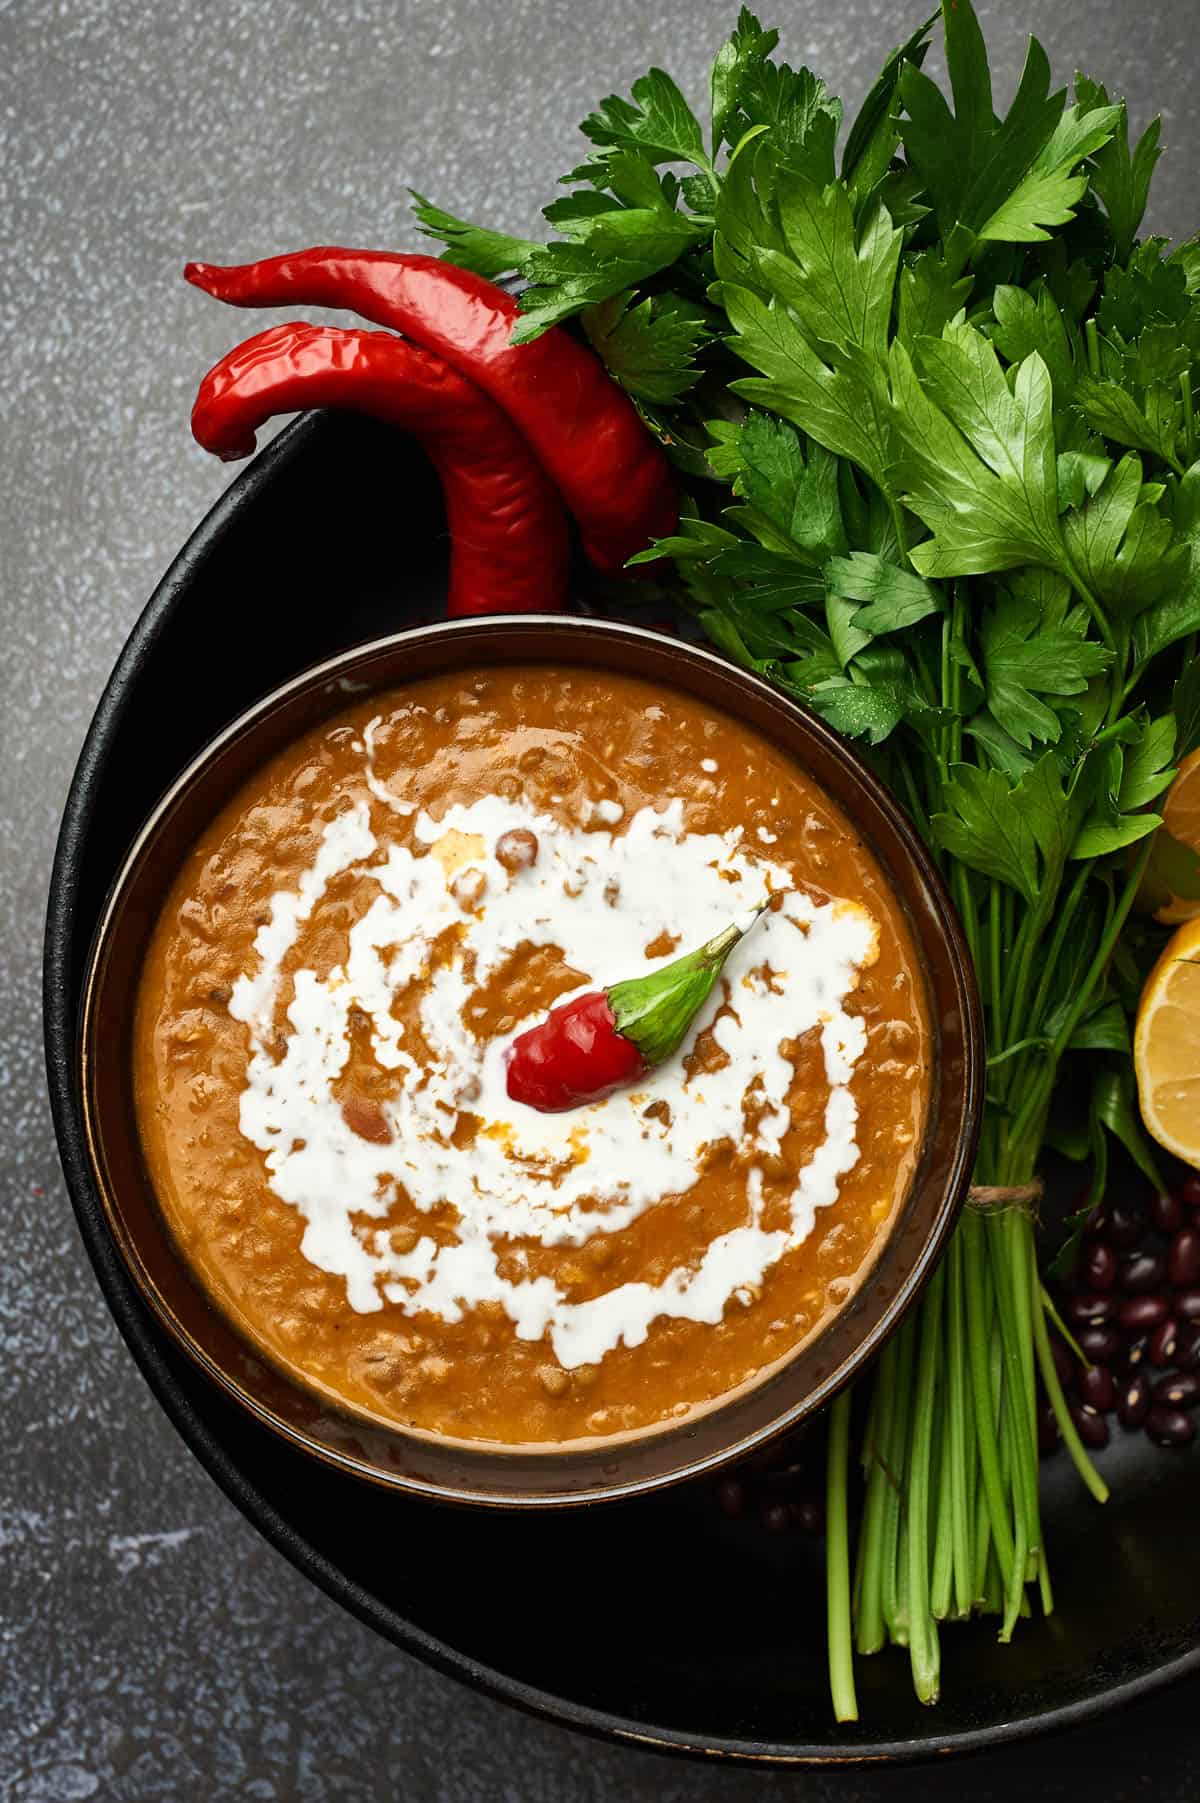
pixel 955 509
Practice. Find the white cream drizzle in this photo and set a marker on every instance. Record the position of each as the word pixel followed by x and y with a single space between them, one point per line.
pixel 601 897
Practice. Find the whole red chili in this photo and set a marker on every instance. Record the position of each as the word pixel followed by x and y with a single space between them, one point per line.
pixel 593 1044
pixel 583 430
pixel 508 530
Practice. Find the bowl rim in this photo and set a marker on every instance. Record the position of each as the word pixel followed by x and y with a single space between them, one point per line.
pixel 172 1385
pixel 572 1474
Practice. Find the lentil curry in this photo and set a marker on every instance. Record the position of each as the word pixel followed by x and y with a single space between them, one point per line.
pixel 341 967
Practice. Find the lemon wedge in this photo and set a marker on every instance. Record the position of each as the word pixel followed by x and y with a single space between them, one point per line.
pixel 1166 1046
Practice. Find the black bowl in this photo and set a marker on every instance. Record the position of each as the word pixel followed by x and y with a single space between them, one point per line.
pixel 687 1632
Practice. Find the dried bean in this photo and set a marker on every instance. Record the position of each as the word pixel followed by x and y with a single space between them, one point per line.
pixel 1124 1227
pixel 1163 1343
pixel 777 1516
pixel 1096 1387
pixel 1088 1310
pixel 1140 1273
pixel 1100 1344
pixel 1133 1402
pixel 1138 1314
pixel 1093 1428
pixel 1167 1213
pixel 1189 1192
pixel 1133 1357
pixel 1170 1427
pixel 1187 1305
pixel 1183 1257
pixel 1187 1352
pixel 1180 1390
pixel 809 1515
pixel 731 1497
pixel 1099 1267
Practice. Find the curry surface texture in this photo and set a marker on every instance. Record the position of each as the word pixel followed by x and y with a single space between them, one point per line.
pixel 599 756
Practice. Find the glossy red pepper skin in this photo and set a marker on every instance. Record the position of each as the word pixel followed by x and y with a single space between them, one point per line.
pixel 583 430
pixel 575 1055
pixel 508 529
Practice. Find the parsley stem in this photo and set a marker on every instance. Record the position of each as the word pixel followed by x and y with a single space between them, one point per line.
pixel 1062 1414
pixel 1093 606
pixel 922 1630
pixel 1189 417
pixel 957 1435
pixel 837 1564
pixel 1038 1097
pixel 1091 334
pixel 869 1631
pixel 979 1339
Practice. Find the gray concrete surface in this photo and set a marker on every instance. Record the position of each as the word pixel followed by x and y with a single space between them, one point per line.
pixel 152 1645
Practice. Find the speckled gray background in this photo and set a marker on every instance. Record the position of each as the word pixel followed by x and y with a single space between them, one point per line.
pixel 153 1645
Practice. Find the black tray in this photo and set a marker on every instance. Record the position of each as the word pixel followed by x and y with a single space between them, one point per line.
pixel 655 1622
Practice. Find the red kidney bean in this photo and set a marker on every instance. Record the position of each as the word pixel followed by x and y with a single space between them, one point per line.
pixel 1170 1427
pixel 1133 1355
pixel 1065 1362
pixel 1099 1266
pixel 1047 1429
pixel 1088 1310
pixel 777 1516
pixel 809 1515
pixel 1099 1344
pixel 1167 1213
pixel 1187 1352
pixel 1093 1428
pixel 1096 1225
pixel 1181 1390
pixel 731 1497
pixel 1138 1314
pixel 1189 1191
pixel 1163 1343
pixel 1124 1227
pixel 1183 1257
pixel 1096 1387
pixel 1133 1402
pixel 1187 1305
pixel 1140 1273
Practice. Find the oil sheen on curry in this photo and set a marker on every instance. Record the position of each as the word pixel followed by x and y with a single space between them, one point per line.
pixel 336 980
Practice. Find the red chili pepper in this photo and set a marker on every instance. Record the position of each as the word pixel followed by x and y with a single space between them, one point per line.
pixel 508 530
pixel 584 431
pixel 608 1037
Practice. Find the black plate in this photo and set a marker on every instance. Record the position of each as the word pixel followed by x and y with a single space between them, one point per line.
pixel 655 1622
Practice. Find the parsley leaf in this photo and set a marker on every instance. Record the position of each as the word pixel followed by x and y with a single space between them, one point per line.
pixel 657 122
pixel 469 246
pixel 874 136
pixel 977 460
pixel 1033 643
pixel 810 308
pixel 895 597
pixel 650 348
pixel 996 180
pixel 747 46
pixel 790 490
pixel 985 827
pixel 1121 177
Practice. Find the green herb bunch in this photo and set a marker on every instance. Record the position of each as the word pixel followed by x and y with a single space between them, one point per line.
pixel 935 403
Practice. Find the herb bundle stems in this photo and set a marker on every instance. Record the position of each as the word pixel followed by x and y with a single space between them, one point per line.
pixel 936 414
